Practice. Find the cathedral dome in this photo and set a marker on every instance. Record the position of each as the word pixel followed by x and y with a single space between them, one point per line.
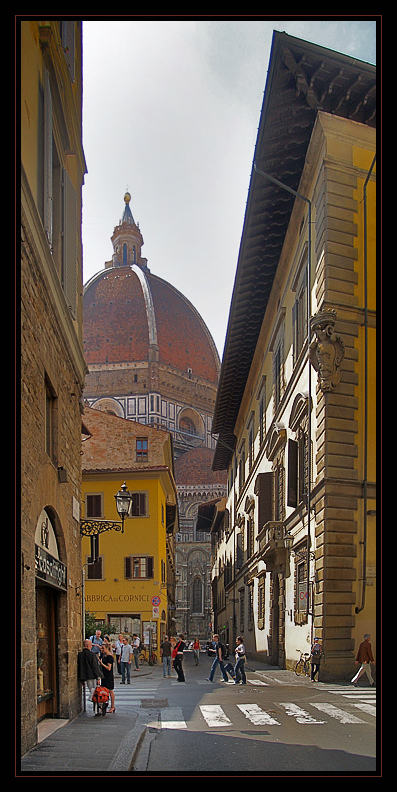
pixel 131 315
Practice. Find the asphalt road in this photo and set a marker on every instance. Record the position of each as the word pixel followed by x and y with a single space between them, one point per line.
pixel 276 724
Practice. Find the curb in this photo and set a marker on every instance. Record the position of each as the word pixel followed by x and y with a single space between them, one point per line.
pixel 125 756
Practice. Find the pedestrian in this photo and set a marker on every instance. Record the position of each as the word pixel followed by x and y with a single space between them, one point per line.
pixel 125 662
pixel 97 642
pixel 106 663
pixel 196 651
pixel 364 657
pixel 118 648
pixel 315 658
pixel 220 651
pixel 89 671
pixel 136 645
pixel 177 654
pixel 165 651
pixel 239 669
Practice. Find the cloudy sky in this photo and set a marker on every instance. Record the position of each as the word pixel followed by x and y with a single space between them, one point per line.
pixel 171 113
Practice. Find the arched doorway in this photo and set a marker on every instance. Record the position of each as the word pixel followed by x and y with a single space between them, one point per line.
pixel 51 579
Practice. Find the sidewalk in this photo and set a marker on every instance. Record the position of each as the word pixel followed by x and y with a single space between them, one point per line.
pixel 88 744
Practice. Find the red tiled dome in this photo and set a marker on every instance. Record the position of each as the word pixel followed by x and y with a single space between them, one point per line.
pixel 129 311
pixel 196 466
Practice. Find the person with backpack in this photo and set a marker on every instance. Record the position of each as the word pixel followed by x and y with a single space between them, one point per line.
pixel 315 658
pixel 220 652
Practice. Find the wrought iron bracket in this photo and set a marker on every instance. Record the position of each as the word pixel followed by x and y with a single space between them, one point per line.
pixel 95 527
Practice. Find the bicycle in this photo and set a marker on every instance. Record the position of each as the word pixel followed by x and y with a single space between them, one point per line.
pixel 144 657
pixel 303 665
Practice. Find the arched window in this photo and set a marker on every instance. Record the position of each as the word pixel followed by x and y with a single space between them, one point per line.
pixel 197 595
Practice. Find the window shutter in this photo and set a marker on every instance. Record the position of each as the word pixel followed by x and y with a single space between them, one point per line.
pixel 93 506
pixel 69 252
pixel 292 493
pixel 150 566
pixel 47 165
pixel 264 490
pixel 127 567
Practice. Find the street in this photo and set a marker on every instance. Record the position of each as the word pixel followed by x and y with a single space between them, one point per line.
pixel 276 723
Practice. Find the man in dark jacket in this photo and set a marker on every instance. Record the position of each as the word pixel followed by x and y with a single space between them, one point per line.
pixel 88 667
pixel 364 657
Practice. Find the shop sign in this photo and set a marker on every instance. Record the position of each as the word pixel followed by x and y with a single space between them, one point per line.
pixel 50 569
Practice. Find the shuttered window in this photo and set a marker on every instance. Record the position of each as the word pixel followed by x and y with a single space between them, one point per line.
pixel 264 490
pixel 138 508
pixel 69 248
pixel 138 567
pixel 93 506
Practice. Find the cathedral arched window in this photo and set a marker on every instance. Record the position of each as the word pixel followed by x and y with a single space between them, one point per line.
pixel 197 596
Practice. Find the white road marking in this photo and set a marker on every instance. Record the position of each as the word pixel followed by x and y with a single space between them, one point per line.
pixel 300 714
pixel 365 707
pixel 172 718
pixel 339 714
pixel 257 716
pixel 215 716
pixel 257 682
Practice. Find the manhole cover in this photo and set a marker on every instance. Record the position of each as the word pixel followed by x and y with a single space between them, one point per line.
pixel 149 703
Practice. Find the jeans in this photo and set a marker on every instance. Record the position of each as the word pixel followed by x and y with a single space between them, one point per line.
pixel 229 668
pixel 240 671
pixel 136 656
pixel 216 662
pixel 166 666
pixel 125 667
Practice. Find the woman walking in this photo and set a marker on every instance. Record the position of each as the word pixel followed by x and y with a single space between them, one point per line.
pixel 106 662
pixel 239 671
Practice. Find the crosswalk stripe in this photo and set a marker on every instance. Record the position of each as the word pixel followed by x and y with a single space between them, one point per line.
pixel 215 716
pixel 339 714
pixel 365 707
pixel 301 715
pixel 172 718
pixel 257 716
pixel 257 682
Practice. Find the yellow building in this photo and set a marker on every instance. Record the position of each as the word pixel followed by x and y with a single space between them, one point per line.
pixel 296 411
pixel 131 582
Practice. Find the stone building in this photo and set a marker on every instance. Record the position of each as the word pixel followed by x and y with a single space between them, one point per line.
pixel 295 551
pixel 52 371
pixel 152 359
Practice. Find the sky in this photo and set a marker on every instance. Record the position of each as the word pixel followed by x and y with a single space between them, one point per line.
pixel 171 111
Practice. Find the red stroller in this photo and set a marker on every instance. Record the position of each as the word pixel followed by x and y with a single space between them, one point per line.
pixel 100 700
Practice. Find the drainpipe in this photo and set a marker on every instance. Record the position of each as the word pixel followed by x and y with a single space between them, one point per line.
pixel 365 476
pixel 303 198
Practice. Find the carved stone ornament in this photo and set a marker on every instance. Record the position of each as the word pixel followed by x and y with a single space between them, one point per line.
pixel 327 350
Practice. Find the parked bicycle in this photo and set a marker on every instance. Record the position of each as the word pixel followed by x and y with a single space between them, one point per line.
pixel 145 657
pixel 303 665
